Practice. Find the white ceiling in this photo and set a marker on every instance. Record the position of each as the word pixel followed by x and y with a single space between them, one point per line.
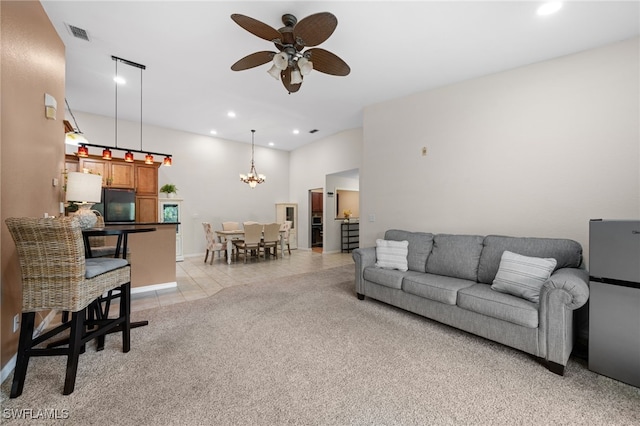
pixel 393 48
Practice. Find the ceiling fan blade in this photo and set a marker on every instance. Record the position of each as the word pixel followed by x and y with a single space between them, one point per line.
pixel 285 76
pixel 256 27
pixel 315 29
pixel 253 60
pixel 328 63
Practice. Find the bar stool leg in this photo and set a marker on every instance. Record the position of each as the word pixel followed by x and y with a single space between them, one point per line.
pixel 125 312
pixel 24 347
pixel 75 345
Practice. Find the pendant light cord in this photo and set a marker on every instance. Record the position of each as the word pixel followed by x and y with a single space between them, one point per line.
pixel 116 103
pixel 72 116
pixel 140 109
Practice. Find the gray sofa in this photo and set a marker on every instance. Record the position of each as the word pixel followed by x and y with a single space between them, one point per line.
pixel 449 280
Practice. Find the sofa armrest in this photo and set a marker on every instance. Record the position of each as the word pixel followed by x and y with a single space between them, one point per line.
pixel 573 281
pixel 564 292
pixel 363 257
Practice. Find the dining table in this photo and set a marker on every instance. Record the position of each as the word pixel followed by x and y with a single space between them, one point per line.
pixel 237 234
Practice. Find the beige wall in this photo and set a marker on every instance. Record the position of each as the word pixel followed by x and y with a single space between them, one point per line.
pixel 535 151
pixel 32 148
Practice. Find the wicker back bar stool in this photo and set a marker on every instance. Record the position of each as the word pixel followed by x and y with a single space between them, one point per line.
pixel 56 275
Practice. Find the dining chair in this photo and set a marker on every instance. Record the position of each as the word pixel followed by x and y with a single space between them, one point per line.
pixel 286 227
pixel 270 239
pixel 57 276
pixel 251 243
pixel 231 226
pixel 212 245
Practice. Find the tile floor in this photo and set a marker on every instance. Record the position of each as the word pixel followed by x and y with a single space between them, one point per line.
pixel 197 279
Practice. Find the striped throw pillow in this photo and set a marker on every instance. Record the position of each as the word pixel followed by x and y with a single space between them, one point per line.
pixel 523 276
pixel 392 254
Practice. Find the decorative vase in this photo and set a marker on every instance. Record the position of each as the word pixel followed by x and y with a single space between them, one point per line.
pixel 86 216
pixel 171 195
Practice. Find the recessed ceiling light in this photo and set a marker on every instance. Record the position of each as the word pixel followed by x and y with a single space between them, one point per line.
pixel 231 114
pixel 119 80
pixel 271 144
pixel 296 131
pixel 214 132
pixel 549 8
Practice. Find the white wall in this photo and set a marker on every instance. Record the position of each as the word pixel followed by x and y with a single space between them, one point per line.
pixel 309 166
pixel 332 237
pixel 205 170
pixel 534 151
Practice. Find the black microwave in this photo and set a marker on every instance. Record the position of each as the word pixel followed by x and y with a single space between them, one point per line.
pixel 316 220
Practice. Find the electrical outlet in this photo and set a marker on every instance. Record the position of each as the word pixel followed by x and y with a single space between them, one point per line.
pixel 16 322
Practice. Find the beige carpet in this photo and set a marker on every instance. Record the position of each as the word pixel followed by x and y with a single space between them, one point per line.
pixel 304 350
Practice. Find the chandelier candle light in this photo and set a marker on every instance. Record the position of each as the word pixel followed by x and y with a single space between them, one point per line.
pixel 252 178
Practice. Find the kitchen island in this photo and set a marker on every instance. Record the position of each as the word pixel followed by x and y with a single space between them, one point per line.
pixel 152 255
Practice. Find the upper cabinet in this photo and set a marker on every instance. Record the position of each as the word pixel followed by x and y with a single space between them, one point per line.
pixel 114 174
pixel 147 179
pixel 121 175
pixel 316 202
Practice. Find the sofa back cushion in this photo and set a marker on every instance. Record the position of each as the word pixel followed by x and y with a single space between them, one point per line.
pixel 420 244
pixel 567 253
pixel 455 256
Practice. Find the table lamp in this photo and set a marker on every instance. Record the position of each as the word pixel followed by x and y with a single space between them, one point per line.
pixel 85 190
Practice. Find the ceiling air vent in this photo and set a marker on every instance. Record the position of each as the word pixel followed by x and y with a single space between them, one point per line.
pixel 78 32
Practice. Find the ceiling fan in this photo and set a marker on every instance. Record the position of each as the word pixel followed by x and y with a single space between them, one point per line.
pixel 292 62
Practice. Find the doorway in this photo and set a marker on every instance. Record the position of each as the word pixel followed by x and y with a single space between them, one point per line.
pixel 316 219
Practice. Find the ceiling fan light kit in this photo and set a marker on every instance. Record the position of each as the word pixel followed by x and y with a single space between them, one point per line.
pixel 291 64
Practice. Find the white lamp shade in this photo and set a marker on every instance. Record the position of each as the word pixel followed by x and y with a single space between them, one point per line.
pixel 305 66
pixel 84 187
pixel 274 72
pixel 296 78
pixel 281 61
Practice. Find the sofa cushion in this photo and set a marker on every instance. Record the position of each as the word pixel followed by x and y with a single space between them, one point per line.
pixel 420 244
pixel 392 254
pixel 387 277
pixel 523 276
pixel 481 299
pixel 435 287
pixel 455 256
pixel 567 253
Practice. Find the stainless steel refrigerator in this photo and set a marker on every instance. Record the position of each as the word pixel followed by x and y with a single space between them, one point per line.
pixel 614 301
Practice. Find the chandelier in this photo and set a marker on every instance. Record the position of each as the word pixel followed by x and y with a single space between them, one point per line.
pixel 252 178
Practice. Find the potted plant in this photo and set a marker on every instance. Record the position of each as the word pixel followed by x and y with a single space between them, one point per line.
pixel 169 189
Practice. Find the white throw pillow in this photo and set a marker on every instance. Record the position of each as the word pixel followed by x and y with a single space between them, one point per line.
pixel 523 276
pixel 392 254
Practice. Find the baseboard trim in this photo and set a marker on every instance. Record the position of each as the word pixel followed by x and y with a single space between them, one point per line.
pixel 8 368
pixel 11 365
pixel 153 287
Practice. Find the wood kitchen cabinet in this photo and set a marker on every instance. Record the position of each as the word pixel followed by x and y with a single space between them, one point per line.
pixel 316 202
pixel 146 208
pixel 114 174
pixel 146 179
pixel 117 173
